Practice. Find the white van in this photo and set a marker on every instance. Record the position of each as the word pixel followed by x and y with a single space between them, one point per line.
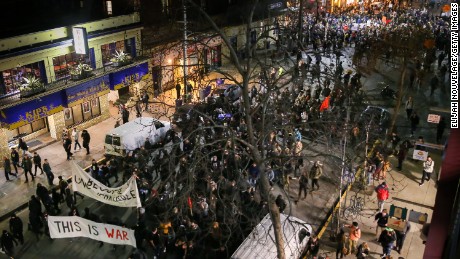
pixel 129 136
pixel 261 242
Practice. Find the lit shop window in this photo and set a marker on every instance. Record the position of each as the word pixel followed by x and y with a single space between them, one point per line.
pixel 12 78
pixel 63 63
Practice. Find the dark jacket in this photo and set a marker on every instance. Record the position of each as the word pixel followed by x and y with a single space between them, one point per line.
pixel 86 137
pixel 7 165
pixel 14 156
pixel 47 168
pixel 67 144
pixel 8 241
pixel 382 220
pixel 387 238
pixel 37 159
pixel 16 225
pixel 27 163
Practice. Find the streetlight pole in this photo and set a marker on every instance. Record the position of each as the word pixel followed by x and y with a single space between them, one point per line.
pixel 344 152
pixel 184 48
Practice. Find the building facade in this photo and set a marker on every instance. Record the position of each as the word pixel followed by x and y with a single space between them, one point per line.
pixel 74 87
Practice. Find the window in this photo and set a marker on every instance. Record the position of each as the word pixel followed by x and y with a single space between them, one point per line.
pixel 63 63
pixel 12 78
pixel 108 5
pixel 108 51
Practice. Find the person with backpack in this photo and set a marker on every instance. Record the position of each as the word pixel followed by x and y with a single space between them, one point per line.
pixel 387 240
pixel 381 219
pixel 382 195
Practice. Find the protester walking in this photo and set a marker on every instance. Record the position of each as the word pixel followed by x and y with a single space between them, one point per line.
pixel 381 219
pixel 409 107
pixel 7 169
pixel 75 137
pixel 27 165
pixel 15 159
pixel 17 228
pixel 315 173
pixel 303 185
pixel 22 145
pixel 37 162
pixel 354 236
pixel 387 240
pixel 68 147
pixel 86 139
pixel 63 185
pixel 341 249
pixel 401 236
pixel 382 195
pixel 48 172
pixel 8 242
pixel 428 167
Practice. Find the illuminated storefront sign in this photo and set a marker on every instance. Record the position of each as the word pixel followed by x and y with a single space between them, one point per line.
pixel 36 109
pixel 128 76
pixel 87 91
pixel 80 40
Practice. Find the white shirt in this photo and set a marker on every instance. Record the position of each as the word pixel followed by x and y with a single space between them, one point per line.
pixel 428 166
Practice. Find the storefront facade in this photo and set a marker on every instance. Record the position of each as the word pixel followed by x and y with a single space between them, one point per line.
pixel 65 103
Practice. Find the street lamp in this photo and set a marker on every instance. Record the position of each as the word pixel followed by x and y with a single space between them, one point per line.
pixel 184 48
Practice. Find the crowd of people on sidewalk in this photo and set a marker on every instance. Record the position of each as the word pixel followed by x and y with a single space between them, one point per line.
pixel 208 196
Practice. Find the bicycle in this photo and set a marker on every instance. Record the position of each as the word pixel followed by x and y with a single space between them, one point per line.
pixel 357 205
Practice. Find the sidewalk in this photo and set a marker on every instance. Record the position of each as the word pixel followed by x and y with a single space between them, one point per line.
pixel 405 192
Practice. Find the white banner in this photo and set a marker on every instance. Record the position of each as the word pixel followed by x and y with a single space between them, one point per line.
pixel 126 195
pixel 73 226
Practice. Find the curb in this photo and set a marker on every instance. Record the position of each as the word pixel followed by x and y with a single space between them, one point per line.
pixel 344 192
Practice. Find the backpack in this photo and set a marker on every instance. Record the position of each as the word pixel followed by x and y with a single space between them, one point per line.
pixel 382 193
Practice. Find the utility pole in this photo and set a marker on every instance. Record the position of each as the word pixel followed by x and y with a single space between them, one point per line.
pixel 184 48
pixel 344 152
pixel 300 22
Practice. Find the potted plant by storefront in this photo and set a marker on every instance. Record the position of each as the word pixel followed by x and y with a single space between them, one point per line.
pixel 30 86
pixel 120 59
pixel 80 71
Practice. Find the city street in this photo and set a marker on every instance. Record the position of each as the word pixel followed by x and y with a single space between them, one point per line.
pixel 316 209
